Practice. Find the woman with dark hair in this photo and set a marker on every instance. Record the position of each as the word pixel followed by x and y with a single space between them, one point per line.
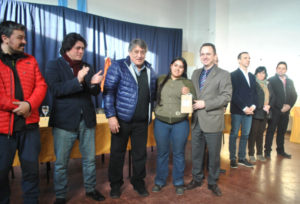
pixel 170 125
pixel 261 113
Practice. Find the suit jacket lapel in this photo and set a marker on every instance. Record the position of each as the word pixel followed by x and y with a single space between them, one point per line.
pixel 280 85
pixel 68 68
pixel 242 76
pixel 196 80
pixel 209 78
pixel 251 80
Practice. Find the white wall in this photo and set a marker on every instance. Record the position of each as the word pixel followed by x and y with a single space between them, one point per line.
pixel 269 30
pixel 159 13
pixel 197 30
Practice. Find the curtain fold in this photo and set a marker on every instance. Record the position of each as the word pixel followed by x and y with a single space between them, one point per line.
pixel 47 25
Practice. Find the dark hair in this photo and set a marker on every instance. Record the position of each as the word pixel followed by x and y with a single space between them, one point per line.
pixel 240 55
pixel 261 69
pixel 7 28
pixel 160 86
pixel 282 62
pixel 209 45
pixel 69 41
pixel 137 42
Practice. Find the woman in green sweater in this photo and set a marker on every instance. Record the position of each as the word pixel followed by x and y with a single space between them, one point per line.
pixel 170 125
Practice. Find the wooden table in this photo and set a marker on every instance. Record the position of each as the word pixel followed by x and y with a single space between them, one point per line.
pixel 295 134
pixel 102 139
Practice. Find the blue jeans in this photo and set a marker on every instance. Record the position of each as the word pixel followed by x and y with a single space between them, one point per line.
pixel 63 143
pixel 238 120
pixel 177 135
pixel 28 144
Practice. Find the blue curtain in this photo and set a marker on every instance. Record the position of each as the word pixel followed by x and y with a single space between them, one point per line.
pixel 47 25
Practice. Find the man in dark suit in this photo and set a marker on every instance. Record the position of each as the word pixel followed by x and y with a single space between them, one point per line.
pixel 213 90
pixel 242 106
pixel 72 82
pixel 285 97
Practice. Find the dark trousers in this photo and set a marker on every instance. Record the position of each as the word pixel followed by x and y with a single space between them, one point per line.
pixel 138 132
pixel 280 121
pixel 256 136
pixel 28 145
pixel 213 142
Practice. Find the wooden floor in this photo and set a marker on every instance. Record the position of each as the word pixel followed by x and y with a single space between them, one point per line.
pixel 276 181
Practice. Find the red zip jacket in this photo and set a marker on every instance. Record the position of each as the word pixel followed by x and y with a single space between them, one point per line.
pixel 34 90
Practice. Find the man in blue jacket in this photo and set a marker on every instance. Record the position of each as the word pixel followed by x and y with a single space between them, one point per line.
pixel 242 106
pixel 72 82
pixel 129 92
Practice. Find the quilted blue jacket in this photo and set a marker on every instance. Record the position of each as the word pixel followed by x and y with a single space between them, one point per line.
pixel 121 90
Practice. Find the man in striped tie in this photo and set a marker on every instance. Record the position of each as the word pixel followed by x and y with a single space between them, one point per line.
pixel 213 92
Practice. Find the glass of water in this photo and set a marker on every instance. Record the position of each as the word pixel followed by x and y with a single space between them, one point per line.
pixel 45 110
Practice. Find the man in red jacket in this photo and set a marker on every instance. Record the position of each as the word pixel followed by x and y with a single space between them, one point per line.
pixel 22 90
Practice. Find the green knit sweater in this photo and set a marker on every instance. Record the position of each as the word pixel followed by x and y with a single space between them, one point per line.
pixel 170 103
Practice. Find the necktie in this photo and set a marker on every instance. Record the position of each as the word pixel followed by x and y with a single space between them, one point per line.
pixel 203 78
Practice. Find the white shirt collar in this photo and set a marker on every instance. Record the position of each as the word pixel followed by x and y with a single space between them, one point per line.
pixel 245 73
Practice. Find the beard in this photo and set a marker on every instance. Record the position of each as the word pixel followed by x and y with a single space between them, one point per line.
pixel 19 50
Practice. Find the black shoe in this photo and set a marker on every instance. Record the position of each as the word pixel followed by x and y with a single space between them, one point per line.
pixel 60 201
pixel 222 171
pixel 115 192
pixel 233 164
pixel 285 155
pixel 193 184
pixel 141 190
pixel 267 155
pixel 244 162
pixel 215 189
pixel 95 195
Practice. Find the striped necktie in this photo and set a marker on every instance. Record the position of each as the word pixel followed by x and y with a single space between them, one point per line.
pixel 202 79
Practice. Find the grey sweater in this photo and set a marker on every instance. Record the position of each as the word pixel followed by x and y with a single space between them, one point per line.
pixel 169 109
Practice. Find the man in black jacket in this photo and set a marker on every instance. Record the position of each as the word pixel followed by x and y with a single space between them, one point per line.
pixel 285 97
pixel 72 82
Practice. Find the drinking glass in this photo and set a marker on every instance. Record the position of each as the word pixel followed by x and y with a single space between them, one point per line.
pixel 45 110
